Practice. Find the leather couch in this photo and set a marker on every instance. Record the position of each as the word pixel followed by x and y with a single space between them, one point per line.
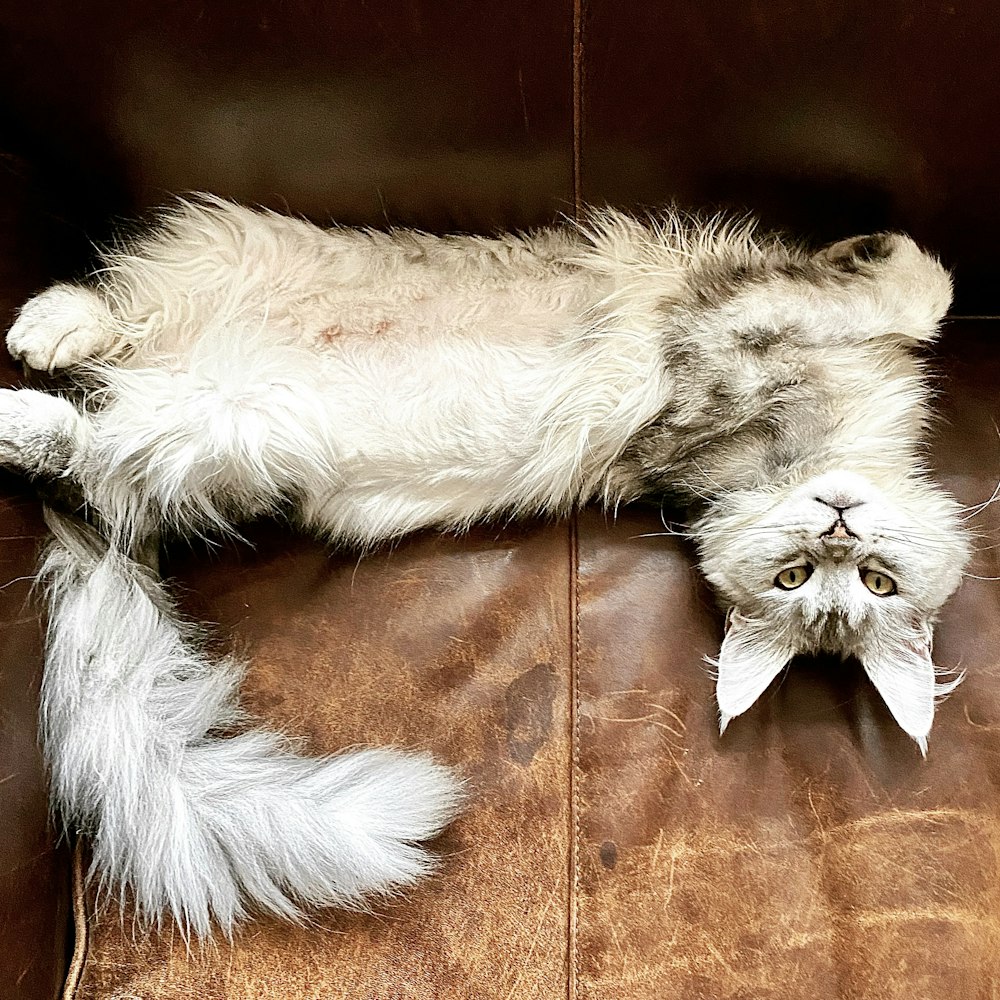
pixel 615 846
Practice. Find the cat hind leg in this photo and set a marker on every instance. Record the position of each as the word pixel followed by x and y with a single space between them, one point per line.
pixel 40 433
pixel 240 430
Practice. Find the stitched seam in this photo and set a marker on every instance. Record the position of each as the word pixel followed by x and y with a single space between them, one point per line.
pixel 574 563
pixel 578 15
pixel 574 764
pixel 74 974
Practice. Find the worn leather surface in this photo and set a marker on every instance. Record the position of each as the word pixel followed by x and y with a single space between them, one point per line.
pixel 456 646
pixel 615 847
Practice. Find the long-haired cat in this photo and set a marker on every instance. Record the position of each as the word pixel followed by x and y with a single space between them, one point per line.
pixel 233 362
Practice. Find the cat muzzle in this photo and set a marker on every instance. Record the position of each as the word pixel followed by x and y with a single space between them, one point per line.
pixel 838 536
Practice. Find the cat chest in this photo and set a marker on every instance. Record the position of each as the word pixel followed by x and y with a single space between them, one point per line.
pixel 737 417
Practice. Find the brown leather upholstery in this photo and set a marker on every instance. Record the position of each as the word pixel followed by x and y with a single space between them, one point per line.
pixel 615 847
pixel 34 873
pixel 827 118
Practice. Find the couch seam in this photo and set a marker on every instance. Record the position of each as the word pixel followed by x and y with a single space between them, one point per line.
pixel 573 875
pixel 574 762
pixel 577 111
pixel 74 974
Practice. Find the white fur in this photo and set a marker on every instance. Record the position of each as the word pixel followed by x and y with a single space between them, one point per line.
pixel 237 361
pixel 196 824
pixel 57 329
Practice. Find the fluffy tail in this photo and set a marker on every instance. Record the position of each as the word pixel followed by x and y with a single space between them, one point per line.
pixel 193 823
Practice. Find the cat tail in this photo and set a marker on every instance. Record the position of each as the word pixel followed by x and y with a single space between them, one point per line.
pixel 190 814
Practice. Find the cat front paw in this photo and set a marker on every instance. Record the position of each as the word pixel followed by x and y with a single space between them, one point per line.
pixel 61 327
pixel 913 289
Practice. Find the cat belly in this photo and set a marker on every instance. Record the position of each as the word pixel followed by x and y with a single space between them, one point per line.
pixel 370 440
pixel 381 411
pixel 439 435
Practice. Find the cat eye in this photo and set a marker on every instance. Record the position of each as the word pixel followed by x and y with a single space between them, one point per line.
pixel 793 577
pixel 878 583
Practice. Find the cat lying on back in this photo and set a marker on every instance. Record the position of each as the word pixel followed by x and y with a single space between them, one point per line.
pixel 237 361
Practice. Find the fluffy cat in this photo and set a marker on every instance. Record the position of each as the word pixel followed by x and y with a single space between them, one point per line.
pixel 236 361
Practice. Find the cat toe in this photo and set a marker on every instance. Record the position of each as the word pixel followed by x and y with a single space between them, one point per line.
pixel 61 327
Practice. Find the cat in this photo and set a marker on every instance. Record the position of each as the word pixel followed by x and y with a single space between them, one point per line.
pixel 232 362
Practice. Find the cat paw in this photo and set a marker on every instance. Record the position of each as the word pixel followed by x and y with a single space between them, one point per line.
pixel 61 327
pixel 38 431
pixel 888 258
pixel 913 289
pixel 867 253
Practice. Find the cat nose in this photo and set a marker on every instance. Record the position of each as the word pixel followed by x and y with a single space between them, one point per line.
pixel 839 534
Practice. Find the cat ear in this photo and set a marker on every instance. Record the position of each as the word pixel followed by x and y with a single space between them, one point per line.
pixel 904 675
pixel 750 658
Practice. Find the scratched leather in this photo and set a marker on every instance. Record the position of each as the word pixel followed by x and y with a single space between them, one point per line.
pixel 457 646
pixel 810 853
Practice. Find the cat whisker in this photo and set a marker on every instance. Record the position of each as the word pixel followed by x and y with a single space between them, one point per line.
pixel 929 540
pixel 703 496
pixel 760 529
pixel 924 543
pixel 908 536
pixel 722 491
pixel 974 510
pixel 743 532
pixel 941 550
pixel 986 548
pixel 672 525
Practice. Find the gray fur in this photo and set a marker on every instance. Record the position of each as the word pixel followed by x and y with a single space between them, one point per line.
pixel 238 362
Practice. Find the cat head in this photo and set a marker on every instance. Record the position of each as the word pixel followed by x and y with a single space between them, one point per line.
pixel 837 565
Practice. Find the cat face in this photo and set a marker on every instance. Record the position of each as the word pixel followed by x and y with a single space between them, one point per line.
pixel 838 565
